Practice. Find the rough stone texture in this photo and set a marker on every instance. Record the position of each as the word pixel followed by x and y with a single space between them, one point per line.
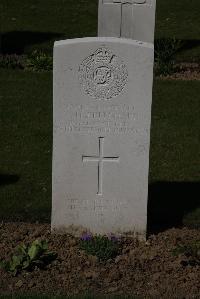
pixel 102 113
pixel 133 19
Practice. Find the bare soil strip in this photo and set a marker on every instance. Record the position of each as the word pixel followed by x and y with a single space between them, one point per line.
pixel 147 269
pixel 185 71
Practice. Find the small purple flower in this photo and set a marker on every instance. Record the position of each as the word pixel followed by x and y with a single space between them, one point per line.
pixel 86 237
pixel 113 238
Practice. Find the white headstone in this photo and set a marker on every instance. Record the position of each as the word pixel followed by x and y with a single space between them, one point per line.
pixel 133 19
pixel 102 112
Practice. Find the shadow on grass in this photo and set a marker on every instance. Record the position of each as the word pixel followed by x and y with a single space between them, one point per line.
pixel 184 45
pixel 177 49
pixel 190 44
pixel 7 179
pixel 169 203
pixel 15 42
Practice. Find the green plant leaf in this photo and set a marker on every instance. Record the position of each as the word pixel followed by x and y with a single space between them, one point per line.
pixel 21 249
pixel 101 246
pixel 15 272
pixel 26 264
pixel 34 251
pixel 28 256
pixel 15 262
pixel 44 245
pixel 190 251
pixel 37 243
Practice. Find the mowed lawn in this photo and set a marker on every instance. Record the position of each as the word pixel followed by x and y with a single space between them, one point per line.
pixel 28 25
pixel 26 147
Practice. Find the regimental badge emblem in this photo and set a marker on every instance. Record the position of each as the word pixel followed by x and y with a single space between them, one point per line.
pixel 103 75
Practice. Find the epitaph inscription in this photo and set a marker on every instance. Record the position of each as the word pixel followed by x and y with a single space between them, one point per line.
pixel 103 75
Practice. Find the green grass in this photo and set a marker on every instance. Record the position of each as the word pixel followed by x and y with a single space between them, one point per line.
pixel 33 24
pixel 79 18
pixel 42 22
pixel 26 138
pixel 26 108
pixel 174 156
pixel 26 145
pixel 178 18
pixel 175 145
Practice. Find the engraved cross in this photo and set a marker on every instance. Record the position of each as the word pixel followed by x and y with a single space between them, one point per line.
pixel 100 159
pixel 125 1
pixel 123 10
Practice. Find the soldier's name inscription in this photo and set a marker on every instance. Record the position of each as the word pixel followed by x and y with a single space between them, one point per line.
pixel 95 118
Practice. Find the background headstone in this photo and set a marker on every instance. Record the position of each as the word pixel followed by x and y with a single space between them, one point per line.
pixel 133 19
pixel 102 112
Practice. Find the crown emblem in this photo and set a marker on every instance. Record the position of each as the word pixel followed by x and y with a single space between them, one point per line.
pixel 103 56
pixel 103 75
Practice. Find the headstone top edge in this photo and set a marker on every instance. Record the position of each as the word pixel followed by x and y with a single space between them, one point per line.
pixel 103 40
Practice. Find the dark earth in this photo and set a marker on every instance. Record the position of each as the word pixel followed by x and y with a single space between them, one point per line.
pixel 185 71
pixel 144 269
